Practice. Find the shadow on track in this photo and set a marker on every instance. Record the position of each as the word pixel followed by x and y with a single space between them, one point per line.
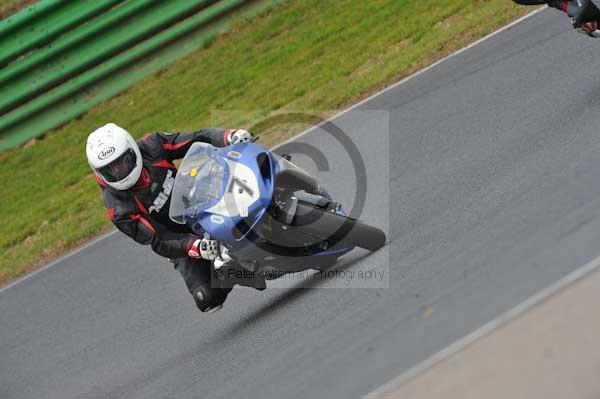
pixel 288 296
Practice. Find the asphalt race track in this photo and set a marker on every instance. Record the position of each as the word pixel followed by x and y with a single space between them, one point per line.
pixel 489 180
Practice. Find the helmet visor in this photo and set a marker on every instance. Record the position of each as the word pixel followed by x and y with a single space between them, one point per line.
pixel 120 168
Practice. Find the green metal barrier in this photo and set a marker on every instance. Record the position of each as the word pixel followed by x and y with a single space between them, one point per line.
pixel 11 23
pixel 119 37
pixel 44 23
pixel 91 62
pixel 77 36
pixel 112 65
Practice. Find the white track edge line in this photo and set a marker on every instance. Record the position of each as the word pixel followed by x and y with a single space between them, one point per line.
pixel 416 74
pixel 56 261
pixel 502 320
pixel 337 115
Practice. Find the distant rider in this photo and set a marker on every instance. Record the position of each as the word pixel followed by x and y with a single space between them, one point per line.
pixel 137 179
pixel 584 13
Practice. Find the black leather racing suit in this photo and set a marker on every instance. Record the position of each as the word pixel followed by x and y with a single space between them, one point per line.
pixel 142 212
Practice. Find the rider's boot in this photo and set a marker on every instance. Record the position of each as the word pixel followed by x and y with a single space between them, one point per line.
pixel 208 299
pixel 208 294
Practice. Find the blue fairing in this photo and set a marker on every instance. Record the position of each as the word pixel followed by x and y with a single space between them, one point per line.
pixel 227 191
pixel 229 226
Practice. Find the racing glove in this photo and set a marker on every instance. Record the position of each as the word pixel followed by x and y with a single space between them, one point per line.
pixel 239 136
pixel 204 248
pixel 223 259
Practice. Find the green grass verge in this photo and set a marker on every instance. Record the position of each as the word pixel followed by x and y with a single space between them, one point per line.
pixel 308 54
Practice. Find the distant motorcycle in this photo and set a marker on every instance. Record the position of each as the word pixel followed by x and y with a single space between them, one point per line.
pixel 587 13
pixel 270 216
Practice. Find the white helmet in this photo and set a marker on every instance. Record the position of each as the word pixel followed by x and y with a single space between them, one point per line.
pixel 114 156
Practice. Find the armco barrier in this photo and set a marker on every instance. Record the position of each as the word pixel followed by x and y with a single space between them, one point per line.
pixel 66 42
pixel 43 22
pixel 95 60
pixel 94 50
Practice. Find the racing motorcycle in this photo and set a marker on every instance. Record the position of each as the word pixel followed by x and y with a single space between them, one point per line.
pixel 270 216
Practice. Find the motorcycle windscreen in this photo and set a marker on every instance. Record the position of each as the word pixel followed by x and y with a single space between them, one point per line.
pixel 200 182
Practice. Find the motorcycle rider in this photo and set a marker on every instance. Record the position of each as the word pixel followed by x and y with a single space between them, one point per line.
pixel 136 180
pixel 585 15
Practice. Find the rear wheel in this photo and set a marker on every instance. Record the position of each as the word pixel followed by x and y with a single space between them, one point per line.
pixel 329 226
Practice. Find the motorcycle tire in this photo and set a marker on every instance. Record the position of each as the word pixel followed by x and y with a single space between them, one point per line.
pixel 327 225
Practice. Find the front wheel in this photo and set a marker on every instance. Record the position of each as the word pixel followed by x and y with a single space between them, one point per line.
pixel 329 226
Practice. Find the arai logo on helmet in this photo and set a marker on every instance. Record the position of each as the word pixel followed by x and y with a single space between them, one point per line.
pixel 105 153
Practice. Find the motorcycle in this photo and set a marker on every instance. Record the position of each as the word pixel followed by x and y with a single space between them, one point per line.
pixel 270 216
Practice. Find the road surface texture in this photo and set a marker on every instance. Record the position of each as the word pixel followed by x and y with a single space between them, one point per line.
pixel 550 352
pixel 489 180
